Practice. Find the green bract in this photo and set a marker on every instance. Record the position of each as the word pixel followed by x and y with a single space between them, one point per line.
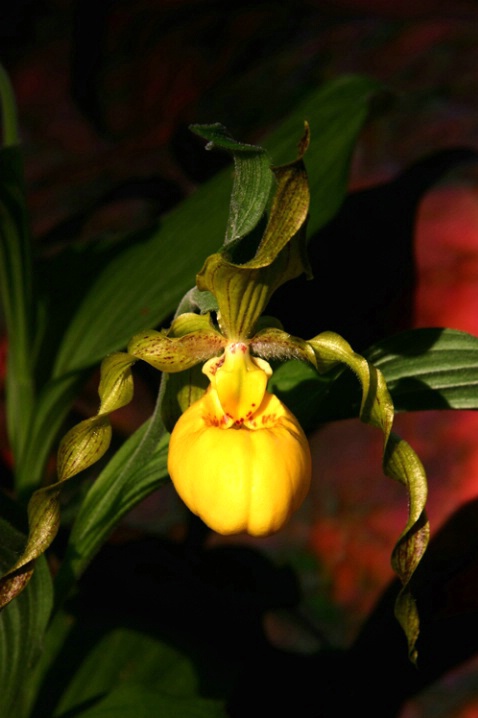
pixel 243 286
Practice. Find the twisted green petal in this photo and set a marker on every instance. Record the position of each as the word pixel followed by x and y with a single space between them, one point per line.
pixel 399 462
pixel 190 340
pixel 81 447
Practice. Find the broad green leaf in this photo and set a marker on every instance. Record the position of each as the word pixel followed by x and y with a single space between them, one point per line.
pixel 135 471
pixel 16 297
pixel 429 368
pixel 424 369
pixel 55 637
pixel 336 113
pixel 104 660
pixel 18 303
pixel 134 700
pixel 22 624
pixel 399 462
pixel 143 285
pixel 252 180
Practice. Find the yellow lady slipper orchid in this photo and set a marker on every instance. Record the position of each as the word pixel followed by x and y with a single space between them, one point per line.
pixel 238 457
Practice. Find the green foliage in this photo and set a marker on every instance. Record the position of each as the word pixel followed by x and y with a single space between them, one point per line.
pixel 424 369
pixel 124 701
pixel 126 672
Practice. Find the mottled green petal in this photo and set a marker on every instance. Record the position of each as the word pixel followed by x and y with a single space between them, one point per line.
pixel 81 447
pixel 178 353
pixel 289 209
pixel 116 384
pixel 181 389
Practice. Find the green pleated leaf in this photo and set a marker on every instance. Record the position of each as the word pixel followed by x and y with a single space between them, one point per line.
pixel 136 470
pixel 429 369
pixel 56 636
pixel 252 180
pixel 399 462
pixel 15 283
pixel 122 485
pixel 22 623
pixel 102 661
pixel 424 369
pixel 135 700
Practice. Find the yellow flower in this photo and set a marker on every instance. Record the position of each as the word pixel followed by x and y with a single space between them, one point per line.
pixel 238 457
